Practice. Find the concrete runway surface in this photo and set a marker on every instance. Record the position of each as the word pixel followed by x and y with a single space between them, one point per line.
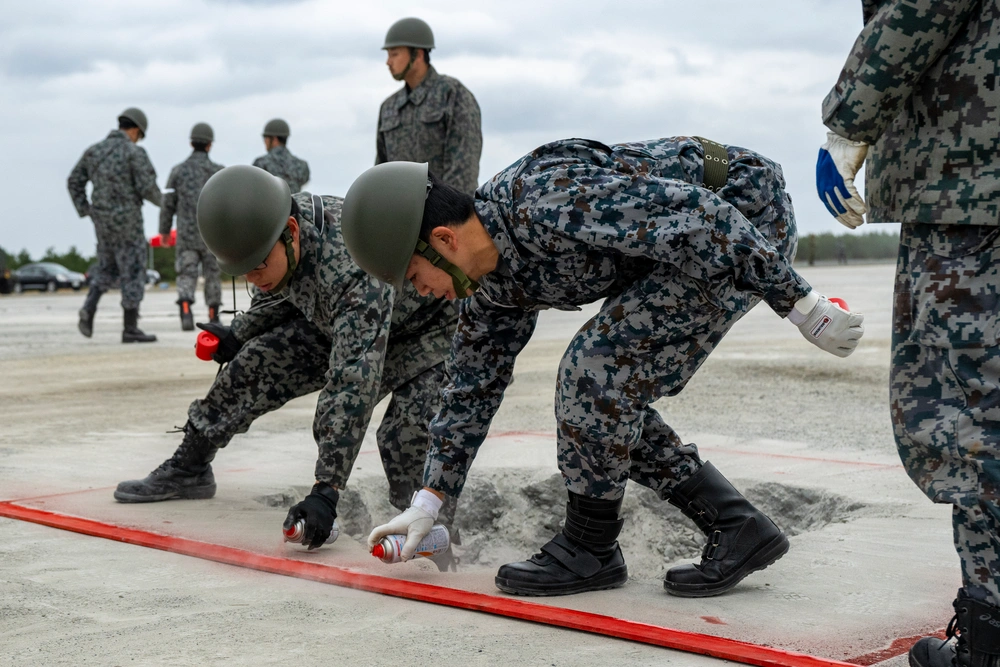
pixel 803 434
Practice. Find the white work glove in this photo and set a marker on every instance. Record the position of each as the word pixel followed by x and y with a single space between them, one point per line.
pixel 826 325
pixel 416 522
pixel 838 163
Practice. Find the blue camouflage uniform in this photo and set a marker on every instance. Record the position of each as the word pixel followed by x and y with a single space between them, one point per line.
pixel 920 87
pixel 676 264
pixel 122 176
pixel 335 330
pixel 280 162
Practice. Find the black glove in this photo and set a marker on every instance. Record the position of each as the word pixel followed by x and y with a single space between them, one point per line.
pixel 229 344
pixel 319 509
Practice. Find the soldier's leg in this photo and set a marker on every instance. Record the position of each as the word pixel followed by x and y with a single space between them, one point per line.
pixel 269 370
pixel 98 286
pixel 945 407
pixel 213 284
pixel 186 264
pixel 130 258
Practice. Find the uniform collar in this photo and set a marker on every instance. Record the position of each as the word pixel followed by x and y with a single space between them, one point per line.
pixel 302 287
pixel 496 226
pixel 278 150
pixel 418 94
pixel 198 155
pixel 118 134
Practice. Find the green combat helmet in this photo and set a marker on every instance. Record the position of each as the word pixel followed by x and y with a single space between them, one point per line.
pixel 277 128
pixel 410 32
pixel 136 116
pixel 202 132
pixel 380 223
pixel 242 212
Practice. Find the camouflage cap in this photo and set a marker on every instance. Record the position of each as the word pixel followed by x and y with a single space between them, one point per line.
pixel 136 116
pixel 277 128
pixel 380 220
pixel 242 211
pixel 409 32
pixel 202 132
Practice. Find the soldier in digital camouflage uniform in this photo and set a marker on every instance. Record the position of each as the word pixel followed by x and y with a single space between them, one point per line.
pixel 918 98
pixel 316 323
pixel 680 246
pixel 433 118
pixel 279 161
pixel 181 199
pixel 122 176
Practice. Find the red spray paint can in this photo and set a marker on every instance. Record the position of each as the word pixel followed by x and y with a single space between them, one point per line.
pixel 389 547
pixel 298 529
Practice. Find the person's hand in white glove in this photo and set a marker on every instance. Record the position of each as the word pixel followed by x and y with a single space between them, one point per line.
pixel 827 325
pixel 838 163
pixel 416 522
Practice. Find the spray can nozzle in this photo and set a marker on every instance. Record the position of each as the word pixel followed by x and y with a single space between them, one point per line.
pixel 839 302
pixel 205 345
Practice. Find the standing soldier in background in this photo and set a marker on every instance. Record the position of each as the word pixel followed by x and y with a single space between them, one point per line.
pixel 181 198
pixel 279 161
pixel 122 176
pixel 433 118
pixel 918 98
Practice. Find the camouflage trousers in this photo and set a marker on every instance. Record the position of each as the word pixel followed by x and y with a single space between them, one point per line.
pixel 644 344
pixel 124 264
pixel 187 263
pixel 945 384
pixel 291 360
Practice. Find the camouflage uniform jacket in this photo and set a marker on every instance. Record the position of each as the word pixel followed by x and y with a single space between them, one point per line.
pixel 181 198
pixel 122 176
pixel 921 85
pixel 280 162
pixel 576 221
pixel 437 122
pixel 374 345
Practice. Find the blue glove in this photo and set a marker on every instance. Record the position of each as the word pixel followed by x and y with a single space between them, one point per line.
pixel 838 163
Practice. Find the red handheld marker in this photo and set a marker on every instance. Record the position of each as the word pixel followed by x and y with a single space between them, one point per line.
pixel 840 302
pixel 205 346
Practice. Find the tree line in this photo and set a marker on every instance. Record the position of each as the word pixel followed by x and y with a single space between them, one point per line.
pixel 163 260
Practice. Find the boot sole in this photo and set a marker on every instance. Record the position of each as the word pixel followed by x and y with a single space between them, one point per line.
pixel 613 579
pixel 764 557
pixel 195 493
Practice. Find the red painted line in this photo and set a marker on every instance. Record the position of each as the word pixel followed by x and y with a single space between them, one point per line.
pixel 896 648
pixel 55 495
pixel 691 642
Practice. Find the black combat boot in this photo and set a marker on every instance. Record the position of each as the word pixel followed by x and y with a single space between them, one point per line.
pixel 976 631
pixel 132 332
pixel 741 539
pixel 213 315
pixel 187 319
pixel 584 557
pixel 86 323
pixel 185 475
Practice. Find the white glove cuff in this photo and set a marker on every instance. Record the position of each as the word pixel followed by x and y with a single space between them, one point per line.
pixel 803 307
pixel 428 502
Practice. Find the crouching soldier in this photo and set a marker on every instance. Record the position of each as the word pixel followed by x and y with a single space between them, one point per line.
pixel 316 323
pixel 681 237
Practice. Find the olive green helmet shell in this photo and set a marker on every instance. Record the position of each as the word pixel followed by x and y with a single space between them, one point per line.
pixel 242 211
pixel 136 116
pixel 202 132
pixel 277 128
pixel 380 220
pixel 409 32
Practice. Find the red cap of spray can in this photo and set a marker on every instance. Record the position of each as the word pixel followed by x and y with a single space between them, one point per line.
pixel 839 302
pixel 205 345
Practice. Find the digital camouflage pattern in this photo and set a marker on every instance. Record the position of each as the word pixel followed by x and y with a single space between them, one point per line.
pixel 576 221
pixel 438 122
pixel 181 199
pixel 280 162
pixel 335 330
pixel 945 384
pixel 122 176
pixel 920 86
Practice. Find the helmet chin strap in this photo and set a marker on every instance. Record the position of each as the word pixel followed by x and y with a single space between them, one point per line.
pixel 463 284
pixel 286 238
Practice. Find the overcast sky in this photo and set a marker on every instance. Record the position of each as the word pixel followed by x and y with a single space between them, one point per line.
pixel 745 73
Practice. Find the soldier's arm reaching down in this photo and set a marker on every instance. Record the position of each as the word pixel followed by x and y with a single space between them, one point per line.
pixel 144 177
pixel 463 143
pixel 168 206
pixel 77 186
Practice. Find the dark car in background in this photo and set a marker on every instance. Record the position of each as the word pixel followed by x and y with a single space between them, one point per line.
pixel 152 276
pixel 46 276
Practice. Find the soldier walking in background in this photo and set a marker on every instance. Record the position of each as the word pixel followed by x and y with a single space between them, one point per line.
pixel 433 118
pixel 316 323
pixel 181 199
pixel 918 100
pixel 279 161
pixel 122 176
